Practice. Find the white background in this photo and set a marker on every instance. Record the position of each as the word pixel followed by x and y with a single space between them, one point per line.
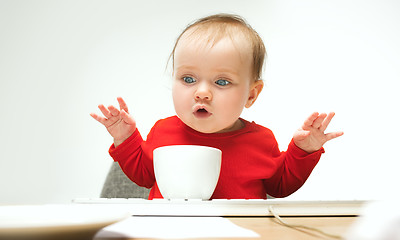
pixel 60 59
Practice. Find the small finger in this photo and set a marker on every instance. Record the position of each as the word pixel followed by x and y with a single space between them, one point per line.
pixel 326 121
pixel 98 118
pixel 113 110
pixel 122 104
pixel 330 136
pixel 105 111
pixel 127 118
pixel 317 122
pixel 310 120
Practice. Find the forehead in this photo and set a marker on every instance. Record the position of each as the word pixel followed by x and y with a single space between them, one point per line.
pixel 205 38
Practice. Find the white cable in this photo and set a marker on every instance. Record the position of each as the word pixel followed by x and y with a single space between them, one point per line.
pixel 298 227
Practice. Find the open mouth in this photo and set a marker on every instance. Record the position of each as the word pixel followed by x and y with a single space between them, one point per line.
pixel 202 113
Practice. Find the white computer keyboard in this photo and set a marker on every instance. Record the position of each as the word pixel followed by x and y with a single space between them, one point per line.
pixel 224 207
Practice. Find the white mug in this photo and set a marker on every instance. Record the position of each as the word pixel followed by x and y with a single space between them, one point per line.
pixel 187 171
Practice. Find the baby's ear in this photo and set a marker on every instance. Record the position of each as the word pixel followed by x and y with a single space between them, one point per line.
pixel 255 90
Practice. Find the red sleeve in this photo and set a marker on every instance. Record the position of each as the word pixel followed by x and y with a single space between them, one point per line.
pixel 296 166
pixel 134 160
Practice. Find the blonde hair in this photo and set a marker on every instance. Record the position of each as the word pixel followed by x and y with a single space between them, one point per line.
pixel 221 25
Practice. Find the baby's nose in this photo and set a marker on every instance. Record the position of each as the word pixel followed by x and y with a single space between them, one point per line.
pixel 203 93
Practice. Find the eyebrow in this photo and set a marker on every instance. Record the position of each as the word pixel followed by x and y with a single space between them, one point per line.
pixel 228 70
pixel 186 67
pixel 218 69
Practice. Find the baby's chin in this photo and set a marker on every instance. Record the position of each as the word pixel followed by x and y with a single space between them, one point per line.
pixel 202 128
pixel 205 128
pixel 210 126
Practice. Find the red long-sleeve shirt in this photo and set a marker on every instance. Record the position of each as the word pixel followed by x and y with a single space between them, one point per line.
pixel 252 164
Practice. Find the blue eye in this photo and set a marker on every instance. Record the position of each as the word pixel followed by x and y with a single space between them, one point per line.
pixel 189 80
pixel 222 82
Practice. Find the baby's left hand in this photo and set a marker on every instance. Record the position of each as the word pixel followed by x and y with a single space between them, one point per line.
pixel 311 136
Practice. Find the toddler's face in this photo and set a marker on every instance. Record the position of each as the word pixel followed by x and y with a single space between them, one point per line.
pixel 212 85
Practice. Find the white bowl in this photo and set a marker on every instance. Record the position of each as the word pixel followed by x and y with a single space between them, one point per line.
pixel 187 171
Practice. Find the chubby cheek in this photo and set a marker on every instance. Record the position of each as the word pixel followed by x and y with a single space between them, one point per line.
pixel 182 100
pixel 229 113
pixel 234 107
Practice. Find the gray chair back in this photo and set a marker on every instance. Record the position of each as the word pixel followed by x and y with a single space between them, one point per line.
pixel 118 185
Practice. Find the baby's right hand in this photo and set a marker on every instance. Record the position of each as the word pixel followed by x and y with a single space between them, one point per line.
pixel 119 123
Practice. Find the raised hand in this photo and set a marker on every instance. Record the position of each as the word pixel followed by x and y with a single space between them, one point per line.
pixel 311 136
pixel 119 123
